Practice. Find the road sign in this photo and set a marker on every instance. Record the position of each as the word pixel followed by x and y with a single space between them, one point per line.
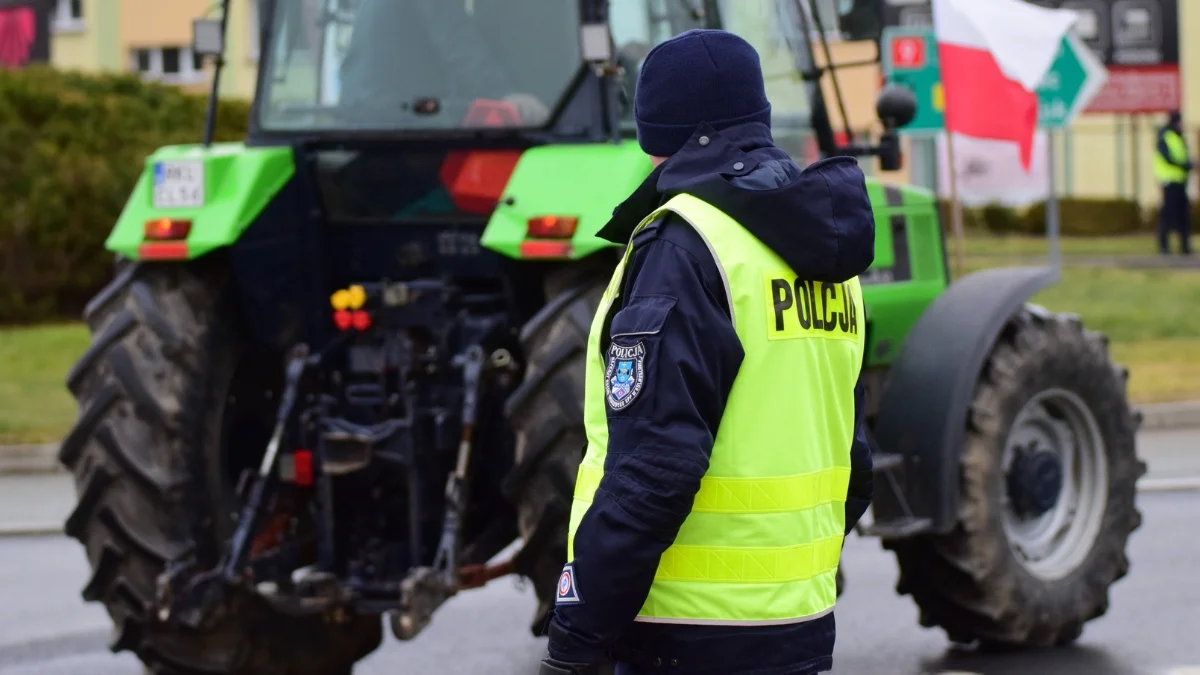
pixel 1137 40
pixel 910 59
pixel 908 52
pixel 1075 77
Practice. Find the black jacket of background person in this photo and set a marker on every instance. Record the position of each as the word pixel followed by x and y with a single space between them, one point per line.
pixel 820 222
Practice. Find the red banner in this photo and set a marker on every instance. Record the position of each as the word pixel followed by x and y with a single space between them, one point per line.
pixel 24 32
pixel 1139 89
pixel 18 29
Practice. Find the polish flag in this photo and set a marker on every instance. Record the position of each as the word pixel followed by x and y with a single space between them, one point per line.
pixel 994 54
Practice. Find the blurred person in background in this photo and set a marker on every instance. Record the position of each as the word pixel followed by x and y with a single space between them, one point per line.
pixel 1172 167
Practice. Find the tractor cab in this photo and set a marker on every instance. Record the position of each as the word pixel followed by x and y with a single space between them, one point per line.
pixel 539 70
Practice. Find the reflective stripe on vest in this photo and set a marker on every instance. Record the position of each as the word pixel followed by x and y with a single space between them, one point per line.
pixel 762 542
pixel 1165 171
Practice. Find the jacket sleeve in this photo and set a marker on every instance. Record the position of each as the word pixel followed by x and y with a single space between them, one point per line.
pixel 862 482
pixel 670 366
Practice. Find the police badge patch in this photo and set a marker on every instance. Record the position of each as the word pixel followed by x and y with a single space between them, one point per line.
pixel 568 592
pixel 625 375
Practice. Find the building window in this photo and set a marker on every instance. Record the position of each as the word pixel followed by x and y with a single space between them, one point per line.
pixel 142 61
pixel 170 65
pixel 170 61
pixel 68 16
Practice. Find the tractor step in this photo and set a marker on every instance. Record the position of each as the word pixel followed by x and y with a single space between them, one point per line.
pixel 885 461
pixel 899 528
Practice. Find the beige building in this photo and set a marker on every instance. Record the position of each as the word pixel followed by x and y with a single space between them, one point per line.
pixel 153 37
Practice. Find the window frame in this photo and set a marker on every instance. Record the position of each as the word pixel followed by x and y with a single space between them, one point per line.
pixel 187 71
pixel 64 19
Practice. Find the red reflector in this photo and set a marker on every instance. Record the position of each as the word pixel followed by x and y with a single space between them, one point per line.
pixel 343 319
pixel 360 320
pixel 552 227
pixel 303 460
pixel 545 249
pixel 163 250
pixel 476 180
pixel 487 112
pixel 165 229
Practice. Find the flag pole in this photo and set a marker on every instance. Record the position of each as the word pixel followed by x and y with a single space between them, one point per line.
pixel 956 211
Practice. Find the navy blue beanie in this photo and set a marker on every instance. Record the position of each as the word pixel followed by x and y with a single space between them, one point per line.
pixel 699 76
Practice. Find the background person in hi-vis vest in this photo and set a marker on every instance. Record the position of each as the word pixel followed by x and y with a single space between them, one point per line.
pixel 726 455
pixel 1172 166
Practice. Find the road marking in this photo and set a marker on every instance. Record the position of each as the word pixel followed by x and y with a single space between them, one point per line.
pixel 1185 670
pixel 1169 485
pixel 31 529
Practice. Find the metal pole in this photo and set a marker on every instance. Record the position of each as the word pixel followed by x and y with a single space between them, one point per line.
pixel 1135 156
pixel 1052 227
pixel 1120 151
pixel 210 120
pixel 956 211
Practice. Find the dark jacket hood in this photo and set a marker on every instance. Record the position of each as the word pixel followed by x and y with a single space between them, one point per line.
pixel 817 219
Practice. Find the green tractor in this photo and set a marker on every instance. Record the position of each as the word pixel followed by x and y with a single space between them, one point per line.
pixel 339 369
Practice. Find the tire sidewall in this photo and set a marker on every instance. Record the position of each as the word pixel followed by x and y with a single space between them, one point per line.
pixel 1057 361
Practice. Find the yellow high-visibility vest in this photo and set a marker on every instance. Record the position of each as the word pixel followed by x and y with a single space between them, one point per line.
pixel 762 542
pixel 1165 171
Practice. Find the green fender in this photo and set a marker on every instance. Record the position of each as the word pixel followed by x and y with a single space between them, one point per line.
pixel 238 183
pixel 585 181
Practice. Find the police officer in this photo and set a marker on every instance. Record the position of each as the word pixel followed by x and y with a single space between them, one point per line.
pixel 726 458
pixel 1171 168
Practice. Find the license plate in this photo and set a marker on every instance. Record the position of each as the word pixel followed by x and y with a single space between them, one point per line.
pixel 178 185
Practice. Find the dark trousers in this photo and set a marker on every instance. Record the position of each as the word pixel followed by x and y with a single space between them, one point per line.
pixel 1176 216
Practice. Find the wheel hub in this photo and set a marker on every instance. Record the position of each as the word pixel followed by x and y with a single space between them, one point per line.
pixel 1035 481
pixel 1055 485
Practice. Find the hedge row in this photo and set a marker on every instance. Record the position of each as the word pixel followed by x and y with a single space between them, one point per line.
pixel 1078 217
pixel 71 149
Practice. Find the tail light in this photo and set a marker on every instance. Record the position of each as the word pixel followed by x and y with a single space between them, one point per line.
pixel 167 229
pixel 551 227
pixel 546 249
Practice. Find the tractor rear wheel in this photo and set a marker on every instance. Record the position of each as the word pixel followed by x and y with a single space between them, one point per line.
pixel 546 413
pixel 1047 495
pixel 146 453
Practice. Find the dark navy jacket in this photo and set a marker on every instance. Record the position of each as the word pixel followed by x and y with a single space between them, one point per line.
pixel 819 221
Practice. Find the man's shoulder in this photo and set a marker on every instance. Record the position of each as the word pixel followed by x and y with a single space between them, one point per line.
pixel 679 236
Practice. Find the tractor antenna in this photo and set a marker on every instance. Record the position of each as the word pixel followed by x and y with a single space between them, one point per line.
pixel 837 89
pixel 210 120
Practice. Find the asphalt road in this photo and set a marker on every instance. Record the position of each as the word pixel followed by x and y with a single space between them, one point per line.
pixel 45 629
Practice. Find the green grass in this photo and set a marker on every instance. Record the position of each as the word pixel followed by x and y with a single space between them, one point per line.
pixel 981 243
pixel 1150 315
pixel 1146 314
pixel 35 406
pixel 1130 304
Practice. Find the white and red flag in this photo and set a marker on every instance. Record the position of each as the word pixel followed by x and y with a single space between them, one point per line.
pixel 994 54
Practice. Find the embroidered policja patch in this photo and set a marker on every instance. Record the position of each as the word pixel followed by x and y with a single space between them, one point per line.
pixel 568 592
pixel 625 375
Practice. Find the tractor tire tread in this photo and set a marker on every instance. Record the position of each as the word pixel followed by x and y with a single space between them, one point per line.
pixel 546 413
pixel 969 582
pixel 146 390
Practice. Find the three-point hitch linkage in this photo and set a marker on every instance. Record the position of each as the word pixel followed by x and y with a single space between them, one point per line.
pixel 195 596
